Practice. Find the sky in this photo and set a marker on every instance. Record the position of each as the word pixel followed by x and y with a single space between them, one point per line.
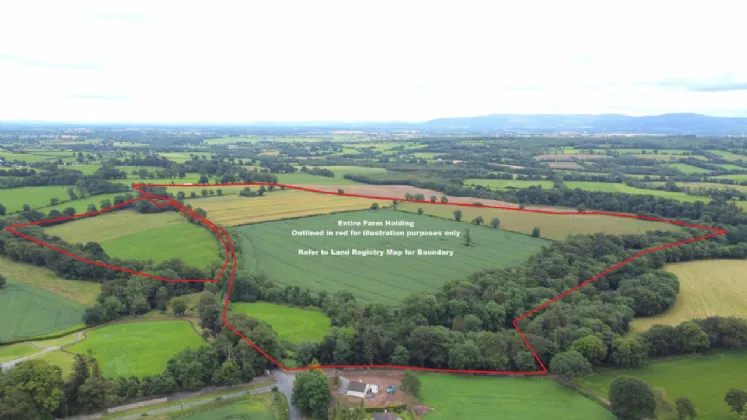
pixel 406 60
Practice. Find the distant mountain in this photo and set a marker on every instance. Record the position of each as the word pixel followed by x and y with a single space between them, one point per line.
pixel 603 123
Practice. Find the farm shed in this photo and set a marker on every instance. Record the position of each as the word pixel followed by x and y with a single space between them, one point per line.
pixel 357 389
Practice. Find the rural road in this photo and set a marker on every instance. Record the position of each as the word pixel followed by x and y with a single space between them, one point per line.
pixel 196 403
pixel 284 382
pixel 12 363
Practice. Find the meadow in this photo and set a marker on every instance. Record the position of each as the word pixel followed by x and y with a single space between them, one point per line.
pixel 508 183
pixel 687 169
pixel 551 227
pixel 14 198
pixel 668 158
pixel 729 155
pixel 251 408
pixel 483 398
pixel 28 311
pixel 25 157
pixel 137 348
pixel 81 205
pixel 704 379
pixel 270 248
pixel 235 210
pixel 129 235
pixel 181 157
pixel 613 187
pixel 707 288
pixel 16 351
pixel 739 177
pixel 83 292
pixel 292 324
pixel 190 177
pixel 625 151
pixel 731 167
pixel 301 178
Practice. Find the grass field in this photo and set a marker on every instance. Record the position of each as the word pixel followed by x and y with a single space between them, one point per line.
pixel 707 288
pixel 301 178
pixel 81 205
pixel 27 311
pixel 251 408
pixel 687 169
pixel 704 379
pixel 24 157
pixel 651 151
pixel 667 158
pixel 59 358
pixel 293 324
pixel 83 292
pixel 729 155
pixel 731 167
pixel 507 183
pixel 14 198
pixel 16 351
pixel 739 177
pixel 551 227
pixel 190 177
pixel 181 157
pixel 270 247
pixel 234 210
pixel 137 348
pixel 612 187
pixel 129 235
pixel 484 398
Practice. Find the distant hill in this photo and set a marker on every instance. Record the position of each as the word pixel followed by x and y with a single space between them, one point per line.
pixel 603 123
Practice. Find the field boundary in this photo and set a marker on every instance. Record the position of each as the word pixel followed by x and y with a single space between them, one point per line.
pixel 161 202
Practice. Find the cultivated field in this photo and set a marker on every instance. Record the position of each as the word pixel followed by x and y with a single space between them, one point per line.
pixel 270 248
pixel 704 379
pixel 551 227
pixel 707 288
pixel 83 292
pixel 235 210
pixel 293 324
pixel 687 169
pixel 27 311
pixel 485 398
pixel 137 348
pixel 127 234
pixel 14 198
pixel 507 183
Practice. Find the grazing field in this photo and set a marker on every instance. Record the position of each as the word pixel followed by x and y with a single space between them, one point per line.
pixel 707 288
pixel 81 205
pixel 137 348
pixel 301 178
pixel 270 248
pixel 14 198
pixel 704 379
pixel 190 177
pixel 16 351
pixel 27 311
pixel 612 187
pixel 508 183
pixel 729 155
pixel 23 157
pixel 739 177
pixel 235 210
pixel 731 167
pixel 340 171
pixel 293 324
pixel 251 408
pixel 129 235
pixel 83 292
pixel 181 157
pixel 486 398
pixel 651 151
pixel 667 158
pixel 687 169
pixel 570 157
pixel 564 165
pixel 551 227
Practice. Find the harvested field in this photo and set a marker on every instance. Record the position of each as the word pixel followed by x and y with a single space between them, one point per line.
pixel 235 210
pixel 569 158
pixel 707 288
pixel 565 165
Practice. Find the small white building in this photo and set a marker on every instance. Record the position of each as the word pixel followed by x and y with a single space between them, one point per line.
pixel 360 389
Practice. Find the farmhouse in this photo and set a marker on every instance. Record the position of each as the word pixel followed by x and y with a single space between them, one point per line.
pixel 357 389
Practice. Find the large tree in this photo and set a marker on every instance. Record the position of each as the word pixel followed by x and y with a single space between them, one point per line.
pixel 311 393
pixel 632 399
pixel 570 364
pixel 34 384
pixel 736 399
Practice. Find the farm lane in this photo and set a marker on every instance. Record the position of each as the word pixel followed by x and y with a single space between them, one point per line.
pixel 284 382
pixel 44 350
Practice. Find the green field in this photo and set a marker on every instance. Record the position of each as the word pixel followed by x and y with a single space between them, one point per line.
pixel 14 198
pixel 16 351
pixel 189 178
pixel 651 151
pixel 508 183
pixel 480 397
pixel 24 157
pixel 81 205
pixel 704 379
pixel 731 167
pixel 252 408
pixel 137 348
pixel 83 292
pixel 181 157
pixel 707 288
pixel 293 324
pixel 551 227
pixel 612 187
pixel 740 177
pixel 729 155
pixel 27 311
pixel 129 235
pixel 687 169
pixel 301 178
pixel 271 248
pixel 58 358
pixel 667 158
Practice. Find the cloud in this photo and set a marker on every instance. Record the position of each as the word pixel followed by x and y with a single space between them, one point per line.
pixel 47 64
pixel 99 97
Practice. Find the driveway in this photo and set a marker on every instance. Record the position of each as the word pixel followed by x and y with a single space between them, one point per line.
pixel 284 382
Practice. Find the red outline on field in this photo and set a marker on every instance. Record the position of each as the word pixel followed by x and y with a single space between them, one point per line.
pixel 230 252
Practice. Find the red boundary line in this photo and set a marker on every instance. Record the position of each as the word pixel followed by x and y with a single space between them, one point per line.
pixel 230 252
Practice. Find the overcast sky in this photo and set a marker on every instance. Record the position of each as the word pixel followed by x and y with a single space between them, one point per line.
pixel 158 60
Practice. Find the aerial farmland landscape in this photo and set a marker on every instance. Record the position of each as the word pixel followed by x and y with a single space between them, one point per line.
pixel 338 211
